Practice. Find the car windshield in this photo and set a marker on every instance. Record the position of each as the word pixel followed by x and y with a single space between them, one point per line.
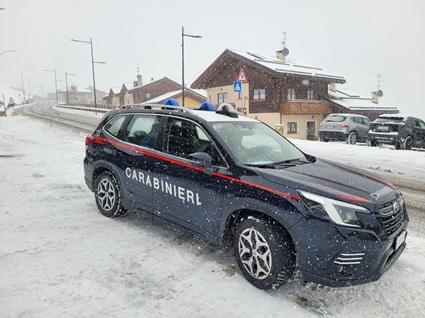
pixel 254 143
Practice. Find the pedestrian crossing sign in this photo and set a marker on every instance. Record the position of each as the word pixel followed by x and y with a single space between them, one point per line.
pixel 237 86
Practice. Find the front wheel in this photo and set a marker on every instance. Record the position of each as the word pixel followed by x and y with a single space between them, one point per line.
pixel 108 195
pixel 264 253
pixel 407 143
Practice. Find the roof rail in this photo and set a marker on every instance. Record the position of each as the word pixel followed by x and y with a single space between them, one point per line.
pixel 155 106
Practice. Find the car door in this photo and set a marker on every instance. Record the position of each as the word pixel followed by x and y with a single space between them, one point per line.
pixel 184 192
pixel 364 127
pixel 137 153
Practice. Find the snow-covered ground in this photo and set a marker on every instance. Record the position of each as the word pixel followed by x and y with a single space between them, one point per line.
pixel 60 258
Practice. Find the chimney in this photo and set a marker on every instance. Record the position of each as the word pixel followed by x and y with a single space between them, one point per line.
pixel 332 87
pixel 280 55
pixel 375 97
pixel 139 79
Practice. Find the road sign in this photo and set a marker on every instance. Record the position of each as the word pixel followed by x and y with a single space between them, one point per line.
pixel 237 86
pixel 242 76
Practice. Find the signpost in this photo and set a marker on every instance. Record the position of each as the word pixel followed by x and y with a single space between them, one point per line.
pixel 237 86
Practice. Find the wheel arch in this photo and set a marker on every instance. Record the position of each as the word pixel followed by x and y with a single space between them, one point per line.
pixel 104 166
pixel 237 215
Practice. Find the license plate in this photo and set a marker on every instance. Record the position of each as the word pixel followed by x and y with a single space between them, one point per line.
pixel 329 127
pixel 400 239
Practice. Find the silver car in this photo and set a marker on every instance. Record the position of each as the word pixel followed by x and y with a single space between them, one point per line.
pixel 348 127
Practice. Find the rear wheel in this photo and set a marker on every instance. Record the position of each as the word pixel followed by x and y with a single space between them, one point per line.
pixel 407 143
pixel 264 253
pixel 351 138
pixel 108 195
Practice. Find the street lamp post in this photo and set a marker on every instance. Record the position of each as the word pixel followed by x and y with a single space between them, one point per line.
pixel 29 86
pixel 191 36
pixel 23 86
pixel 66 85
pixel 56 84
pixel 92 65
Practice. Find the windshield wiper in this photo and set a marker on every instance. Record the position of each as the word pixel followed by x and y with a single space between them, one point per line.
pixel 280 164
pixel 294 161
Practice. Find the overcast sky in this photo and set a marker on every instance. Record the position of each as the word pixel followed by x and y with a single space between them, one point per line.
pixel 357 39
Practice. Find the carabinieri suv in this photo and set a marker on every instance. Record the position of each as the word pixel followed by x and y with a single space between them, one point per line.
pixel 235 181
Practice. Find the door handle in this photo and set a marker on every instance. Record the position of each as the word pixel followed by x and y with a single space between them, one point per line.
pixel 161 165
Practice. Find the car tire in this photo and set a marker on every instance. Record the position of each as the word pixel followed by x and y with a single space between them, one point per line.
pixel 407 143
pixel 108 195
pixel 351 138
pixel 373 143
pixel 324 139
pixel 264 253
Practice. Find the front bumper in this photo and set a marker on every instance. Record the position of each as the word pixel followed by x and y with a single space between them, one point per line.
pixel 348 256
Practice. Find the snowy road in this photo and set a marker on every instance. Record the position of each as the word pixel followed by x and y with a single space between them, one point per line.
pixel 60 258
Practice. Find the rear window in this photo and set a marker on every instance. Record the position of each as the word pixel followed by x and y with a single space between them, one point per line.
pixel 389 119
pixel 335 118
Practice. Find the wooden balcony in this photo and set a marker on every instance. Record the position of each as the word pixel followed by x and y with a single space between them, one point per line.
pixel 305 107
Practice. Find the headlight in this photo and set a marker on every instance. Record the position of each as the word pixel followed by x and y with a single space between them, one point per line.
pixel 339 212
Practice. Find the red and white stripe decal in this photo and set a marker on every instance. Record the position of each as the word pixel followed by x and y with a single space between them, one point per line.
pixel 101 140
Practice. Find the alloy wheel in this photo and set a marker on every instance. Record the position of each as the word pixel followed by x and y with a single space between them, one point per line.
pixel 254 252
pixel 106 194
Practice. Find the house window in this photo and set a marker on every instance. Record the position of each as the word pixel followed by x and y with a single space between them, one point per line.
pixel 292 127
pixel 291 94
pixel 222 98
pixel 260 93
pixel 310 94
pixel 148 95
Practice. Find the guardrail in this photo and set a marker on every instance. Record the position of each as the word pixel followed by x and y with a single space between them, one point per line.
pixel 86 108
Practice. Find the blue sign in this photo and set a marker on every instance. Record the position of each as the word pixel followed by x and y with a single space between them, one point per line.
pixel 237 86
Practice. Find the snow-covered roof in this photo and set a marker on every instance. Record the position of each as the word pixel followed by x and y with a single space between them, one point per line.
pixel 162 97
pixel 354 101
pixel 289 66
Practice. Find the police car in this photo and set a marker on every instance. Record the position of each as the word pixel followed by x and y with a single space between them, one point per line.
pixel 236 181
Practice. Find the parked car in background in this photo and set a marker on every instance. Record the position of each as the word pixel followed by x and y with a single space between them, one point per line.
pixel 349 127
pixel 404 132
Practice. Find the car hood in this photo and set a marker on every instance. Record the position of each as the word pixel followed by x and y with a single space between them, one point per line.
pixel 334 180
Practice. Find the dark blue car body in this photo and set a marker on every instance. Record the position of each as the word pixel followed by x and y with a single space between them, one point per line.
pixel 210 200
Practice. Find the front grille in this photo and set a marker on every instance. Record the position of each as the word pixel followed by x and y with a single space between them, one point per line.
pixel 391 215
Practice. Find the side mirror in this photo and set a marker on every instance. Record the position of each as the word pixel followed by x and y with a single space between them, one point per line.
pixel 204 160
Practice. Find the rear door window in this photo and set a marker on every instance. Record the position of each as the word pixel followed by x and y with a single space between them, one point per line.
pixel 143 129
pixel 115 125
